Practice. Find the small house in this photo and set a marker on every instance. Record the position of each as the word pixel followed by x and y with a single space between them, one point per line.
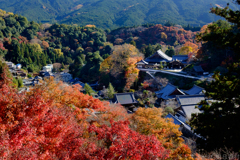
pixel 141 64
pixel 48 68
pixel 125 99
pixel 198 70
pixel 11 65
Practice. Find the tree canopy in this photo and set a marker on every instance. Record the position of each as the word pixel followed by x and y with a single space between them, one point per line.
pixel 218 122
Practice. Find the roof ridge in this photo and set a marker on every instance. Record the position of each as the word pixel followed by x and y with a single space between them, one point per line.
pixel 198 87
pixel 194 95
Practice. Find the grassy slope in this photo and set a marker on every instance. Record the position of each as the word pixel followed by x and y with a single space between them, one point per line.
pixel 113 14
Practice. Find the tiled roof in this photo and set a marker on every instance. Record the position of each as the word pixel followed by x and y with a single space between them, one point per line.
pixel 198 69
pixel 190 99
pixel 157 57
pixel 142 62
pixel 194 90
pixel 167 90
pixel 180 58
pixel 189 110
pixel 125 98
pixel 175 120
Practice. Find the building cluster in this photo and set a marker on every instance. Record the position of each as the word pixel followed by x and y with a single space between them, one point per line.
pixel 16 69
pixel 160 60
pixel 187 104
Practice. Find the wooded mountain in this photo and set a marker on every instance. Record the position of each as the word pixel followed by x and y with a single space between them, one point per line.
pixel 112 14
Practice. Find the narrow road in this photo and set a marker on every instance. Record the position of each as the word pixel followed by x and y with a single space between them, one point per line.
pixel 176 74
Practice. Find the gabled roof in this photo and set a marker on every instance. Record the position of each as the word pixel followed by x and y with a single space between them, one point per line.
pixel 194 90
pixel 190 99
pixel 198 69
pixel 189 110
pixel 157 57
pixel 142 62
pixel 125 98
pixel 167 91
pixel 180 58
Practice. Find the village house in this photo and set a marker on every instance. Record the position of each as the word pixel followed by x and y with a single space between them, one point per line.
pixel 127 100
pixel 65 77
pixel 197 70
pixel 48 68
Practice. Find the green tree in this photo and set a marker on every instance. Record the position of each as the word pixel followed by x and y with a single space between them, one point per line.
pixel 88 89
pixel 219 120
pixel 170 52
pixel 20 82
pixel 133 43
pixel 110 91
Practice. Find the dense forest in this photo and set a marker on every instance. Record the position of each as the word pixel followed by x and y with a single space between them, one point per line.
pixel 113 14
pixel 82 49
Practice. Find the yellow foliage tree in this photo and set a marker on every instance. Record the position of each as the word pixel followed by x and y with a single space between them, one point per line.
pixel 193 46
pixel 150 122
pixel 163 36
pixel 185 50
pixel 122 62
pixel 36 47
pixel 58 52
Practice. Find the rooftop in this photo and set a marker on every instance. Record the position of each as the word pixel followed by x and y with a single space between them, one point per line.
pixel 167 91
pixel 198 69
pixel 194 90
pixel 190 99
pixel 189 110
pixel 142 62
pixel 125 98
pixel 157 57
pixel 180 58
pixel 175 120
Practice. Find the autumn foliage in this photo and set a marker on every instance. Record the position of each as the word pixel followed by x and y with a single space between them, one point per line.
pixel 55 121
pixel 149 122
pixel 121 64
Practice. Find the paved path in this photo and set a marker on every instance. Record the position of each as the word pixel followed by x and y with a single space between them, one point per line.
pixel 175 74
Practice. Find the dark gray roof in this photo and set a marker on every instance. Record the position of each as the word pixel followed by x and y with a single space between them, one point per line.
pixel 189 110
pixel 180 58
pixel 168 90
pixel 198 69
pixel 142 62
pixel 194 90
pixel 157 57
pixel 175 120
pixel 125 98
pixel 190 99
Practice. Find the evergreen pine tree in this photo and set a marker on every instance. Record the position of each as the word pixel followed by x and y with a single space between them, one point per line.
pixel 88 89
pixel 110 91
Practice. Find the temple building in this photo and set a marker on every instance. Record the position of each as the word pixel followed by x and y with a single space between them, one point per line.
pixel 160 59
